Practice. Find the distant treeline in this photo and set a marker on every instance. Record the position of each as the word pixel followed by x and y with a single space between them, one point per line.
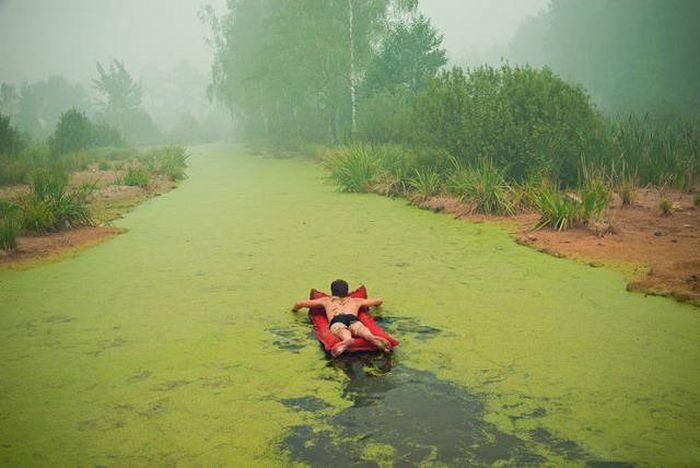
pixel 342 71
pixel 175 99
pixel 35 108
pixel 632 55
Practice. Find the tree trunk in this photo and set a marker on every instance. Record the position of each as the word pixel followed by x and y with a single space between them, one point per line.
pixel 353 97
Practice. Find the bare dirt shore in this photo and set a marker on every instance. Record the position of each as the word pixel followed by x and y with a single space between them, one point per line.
pixel 659 254
pixel 108 202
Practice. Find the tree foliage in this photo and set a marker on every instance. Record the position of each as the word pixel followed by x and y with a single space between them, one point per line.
pixel 632 55
pixel 11 141
pixel 121 104
pixel 409 54
pixel 75 132
pixel 289 70
pixel 523 119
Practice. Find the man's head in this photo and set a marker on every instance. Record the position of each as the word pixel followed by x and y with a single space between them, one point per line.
pixel 339 288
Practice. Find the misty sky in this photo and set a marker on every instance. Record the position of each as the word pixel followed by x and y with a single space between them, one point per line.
pixel 40 37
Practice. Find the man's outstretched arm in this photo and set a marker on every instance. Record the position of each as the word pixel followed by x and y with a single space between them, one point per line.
pixel 376 301
pixel 309 303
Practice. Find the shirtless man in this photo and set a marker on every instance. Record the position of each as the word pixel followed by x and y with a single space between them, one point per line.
pixel 341 311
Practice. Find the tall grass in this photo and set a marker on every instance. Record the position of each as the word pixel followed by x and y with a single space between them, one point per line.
pixel 172 162
pixel 426 183
pixel 135 177
pixel 353 169
pixel 484 186
pixel 51 206
pixel 563 210
pixel 10 225
pixel 661 150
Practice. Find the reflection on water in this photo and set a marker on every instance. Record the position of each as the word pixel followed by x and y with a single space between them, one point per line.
pixel 405 416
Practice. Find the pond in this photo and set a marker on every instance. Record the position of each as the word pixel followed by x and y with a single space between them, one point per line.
pixel 174 343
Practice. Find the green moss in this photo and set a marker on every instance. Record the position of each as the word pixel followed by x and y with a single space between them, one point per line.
pixel 173 343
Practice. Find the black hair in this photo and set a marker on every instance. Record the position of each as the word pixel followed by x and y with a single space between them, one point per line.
pixel 339 288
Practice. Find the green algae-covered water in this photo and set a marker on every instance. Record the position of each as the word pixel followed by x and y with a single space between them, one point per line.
pixel 173 343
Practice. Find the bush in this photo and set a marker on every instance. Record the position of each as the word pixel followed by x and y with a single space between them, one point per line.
pixel 11 140
pixel 385 118
pixel 661 149
pixel 172 162
pixel 50 206
pixel 565 210
pixel 696 200
pixel 354 168
pixel 104 135
pixel 395 166
pixel 73 132
pixel 9 230
pixel 135 177
pixel 665 207
pixel 37 215
pixel 484 185
pixel 9 225
pixel 12 170
pixel 426 183
pixel 523 119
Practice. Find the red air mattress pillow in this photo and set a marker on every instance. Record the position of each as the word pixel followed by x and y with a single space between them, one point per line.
pixel 320 323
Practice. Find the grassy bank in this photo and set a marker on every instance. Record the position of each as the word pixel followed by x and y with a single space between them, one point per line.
pixel 60 197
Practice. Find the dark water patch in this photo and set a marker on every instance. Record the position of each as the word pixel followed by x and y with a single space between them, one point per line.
pixel 402 326
pixel 107 344
pixel 307 403
pixel 139 376
pixel 536 413
pixel 170 385
pixel 57 319
pixel 565 448
pixel 289 339
pixel 422 418
pixel 609 464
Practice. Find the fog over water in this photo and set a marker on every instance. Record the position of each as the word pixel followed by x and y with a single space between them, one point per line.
pixel 67 37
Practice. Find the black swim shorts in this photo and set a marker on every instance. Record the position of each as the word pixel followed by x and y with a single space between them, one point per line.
pixel 345 319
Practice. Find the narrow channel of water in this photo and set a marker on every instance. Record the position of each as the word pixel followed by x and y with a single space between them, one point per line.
pixel 173 343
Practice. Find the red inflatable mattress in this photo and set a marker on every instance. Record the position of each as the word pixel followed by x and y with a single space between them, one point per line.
pixel 320 323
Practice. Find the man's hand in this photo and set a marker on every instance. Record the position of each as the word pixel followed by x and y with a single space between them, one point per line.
pixel 310 304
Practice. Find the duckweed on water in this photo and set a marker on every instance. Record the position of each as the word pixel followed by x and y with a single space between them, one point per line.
pixel 174 343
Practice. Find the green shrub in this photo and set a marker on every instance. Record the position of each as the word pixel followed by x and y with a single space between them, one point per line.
pixel 665 206
pixel 660 148
pixel 354 168
pixel 135 177
pixel 426 183
pixel 76 160
pixel 172 162
pixel 104 135
pixel 9 230
pixel 395 165
pixel 9 225
pixel 484 185
pixel 49 183
pixel 12 170
pixel 104 165
pixel 565 210
pixel 51 206
pixel 385 118
pixel 11 140
pixel 594 194
pixel 73 132
pixel 37 214
pixel 696 199
pixel 525 120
